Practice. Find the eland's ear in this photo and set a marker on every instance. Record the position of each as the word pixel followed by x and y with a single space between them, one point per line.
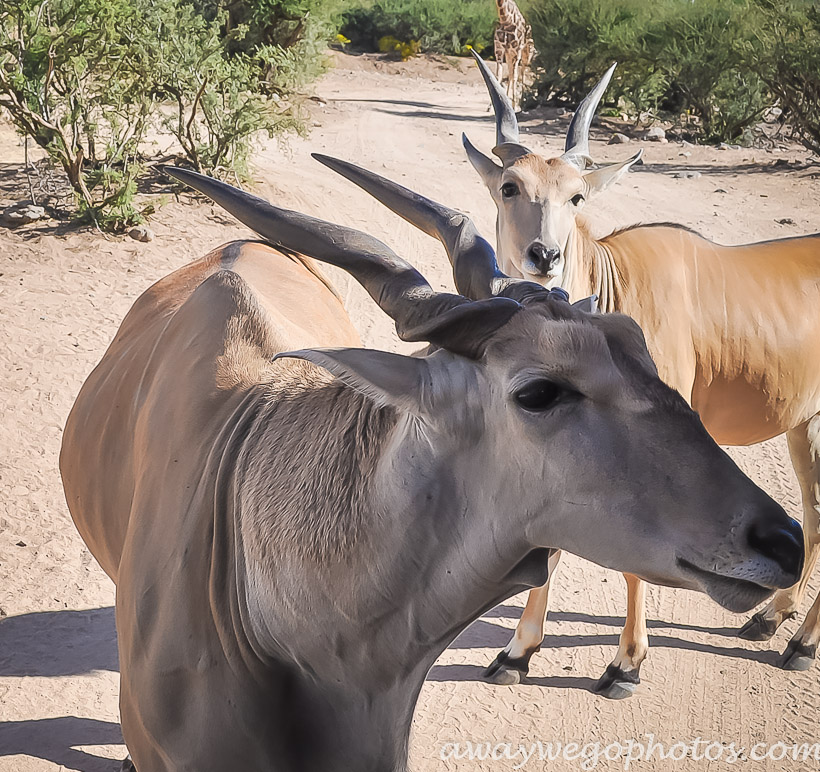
pixel 487 169
pixel 388 379
pixel 588 305
pixel 510 152
pixel 601 179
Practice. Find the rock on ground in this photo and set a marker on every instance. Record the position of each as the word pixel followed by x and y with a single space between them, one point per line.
pixel 618 139
pixel 24 214
pixel 141 233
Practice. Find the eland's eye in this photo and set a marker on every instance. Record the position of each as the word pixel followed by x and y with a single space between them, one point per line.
pixel 577 200
pixel 509 189
pixel 540 395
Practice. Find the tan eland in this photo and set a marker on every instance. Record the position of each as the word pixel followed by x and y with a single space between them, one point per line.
pixel 734 329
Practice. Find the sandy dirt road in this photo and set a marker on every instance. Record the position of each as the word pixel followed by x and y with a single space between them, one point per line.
pixel 63 293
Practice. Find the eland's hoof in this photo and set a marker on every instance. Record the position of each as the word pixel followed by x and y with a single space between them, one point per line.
pixel 758 628
pixel 797 656
pixel 506 671
pixel 128 765
pixel 617 684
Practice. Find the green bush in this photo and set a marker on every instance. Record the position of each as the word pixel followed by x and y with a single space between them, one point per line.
pixel 576 40
pixel 685 58
pixel 70 81
pixel 288 37
pixel 439 26
pixel 699 47
pixel 785 53
pixel 87 79
pixel 217 104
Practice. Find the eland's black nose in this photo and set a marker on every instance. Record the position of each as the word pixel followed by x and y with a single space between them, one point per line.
pixel 543 257
pixel 779 538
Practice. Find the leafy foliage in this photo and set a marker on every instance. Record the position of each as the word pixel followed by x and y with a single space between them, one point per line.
pixel 218 105
pixel 785 52
pixel 674 55
pixel 88 79
pixel 288 37
pixel 713 65
pixel 439 26
pixel 69 80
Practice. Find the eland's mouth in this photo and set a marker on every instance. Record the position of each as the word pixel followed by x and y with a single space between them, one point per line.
pixel 534 273
pixel 737 595
pixel 547 280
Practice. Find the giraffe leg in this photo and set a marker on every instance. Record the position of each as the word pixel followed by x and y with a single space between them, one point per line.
pixel 529 47
pixel 513 663
pixel 526 60
pixel 622 676
pixel 804 448
pixel 498 48
pixel 514 83
pixel 512 74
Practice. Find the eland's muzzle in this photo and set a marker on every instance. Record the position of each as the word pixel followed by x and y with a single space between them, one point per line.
pixel 542 259
pixel 779 539
pixel 769 556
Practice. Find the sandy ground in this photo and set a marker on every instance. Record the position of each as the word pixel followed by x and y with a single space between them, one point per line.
pixel 65 291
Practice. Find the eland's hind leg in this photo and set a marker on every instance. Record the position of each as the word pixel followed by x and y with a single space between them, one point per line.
pixel 804 449
pixel 513 663
pixel 802 649
pixel 622 676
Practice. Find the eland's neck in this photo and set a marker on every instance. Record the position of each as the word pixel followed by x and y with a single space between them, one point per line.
pixel 592 270
pixel 361 623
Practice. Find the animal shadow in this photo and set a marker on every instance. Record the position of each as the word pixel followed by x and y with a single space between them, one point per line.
pixel 54 644
pixel 58 643
pixel 52 739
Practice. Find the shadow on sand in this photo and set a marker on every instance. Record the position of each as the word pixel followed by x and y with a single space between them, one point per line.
pixel 53 644
pixel 52 739
pixel 514 612
pixel 483 634
pixel 70 643
pixel 58 643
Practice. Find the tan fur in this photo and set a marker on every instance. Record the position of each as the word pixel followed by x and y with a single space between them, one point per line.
pixel 242 361
pixel 751 376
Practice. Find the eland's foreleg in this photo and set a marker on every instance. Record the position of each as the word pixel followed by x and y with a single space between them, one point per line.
pixel 804 448
pixel 513 663
pixel 622 676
